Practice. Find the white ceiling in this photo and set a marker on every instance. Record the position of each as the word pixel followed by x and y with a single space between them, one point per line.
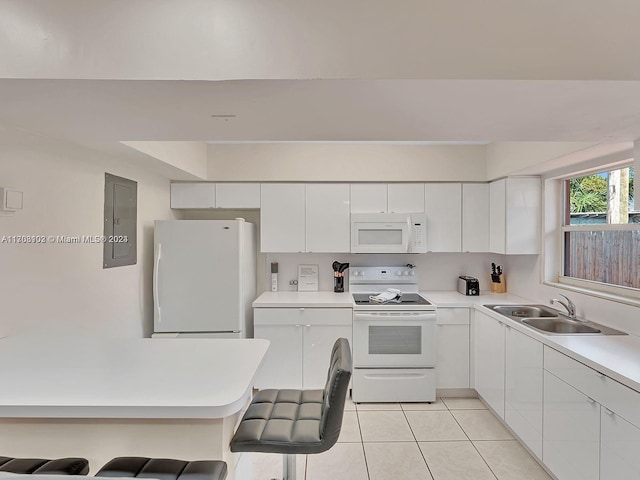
pixel 332 71
pixel 101 111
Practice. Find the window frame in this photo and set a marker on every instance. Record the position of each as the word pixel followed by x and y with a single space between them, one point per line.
pixel 601 289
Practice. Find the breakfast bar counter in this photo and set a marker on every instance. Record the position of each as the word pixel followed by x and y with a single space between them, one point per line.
pixel 101 398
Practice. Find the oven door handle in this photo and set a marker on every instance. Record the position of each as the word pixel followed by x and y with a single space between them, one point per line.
pixel 375 316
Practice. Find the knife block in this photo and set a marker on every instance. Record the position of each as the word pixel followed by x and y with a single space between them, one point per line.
pixel 500 287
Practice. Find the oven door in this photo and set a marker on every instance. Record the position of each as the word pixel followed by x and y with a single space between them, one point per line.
pixel 394 339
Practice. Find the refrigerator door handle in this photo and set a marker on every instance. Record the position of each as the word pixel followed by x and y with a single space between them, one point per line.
pixel 156 273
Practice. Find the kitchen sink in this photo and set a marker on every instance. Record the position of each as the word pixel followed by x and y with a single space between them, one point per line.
pixel 559 325
pixel 550 321
pixel 524 311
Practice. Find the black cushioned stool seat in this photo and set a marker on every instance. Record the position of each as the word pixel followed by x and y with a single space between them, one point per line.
pixel 60 466
pixel 164 469
pixel 297 421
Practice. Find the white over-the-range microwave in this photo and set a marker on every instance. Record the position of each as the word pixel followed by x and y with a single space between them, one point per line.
pixel 388 233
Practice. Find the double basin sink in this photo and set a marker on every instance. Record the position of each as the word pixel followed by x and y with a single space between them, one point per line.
pixel 550 321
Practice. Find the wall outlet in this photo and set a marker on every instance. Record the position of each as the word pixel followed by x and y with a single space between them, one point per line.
pixel 293 285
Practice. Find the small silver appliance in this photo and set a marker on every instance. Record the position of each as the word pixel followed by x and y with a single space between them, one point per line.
pixel 468 285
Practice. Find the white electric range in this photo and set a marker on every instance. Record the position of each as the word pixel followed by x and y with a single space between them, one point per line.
pixel 394 343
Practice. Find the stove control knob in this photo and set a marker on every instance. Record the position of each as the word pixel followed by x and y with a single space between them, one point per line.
pixel 405 273
pixel 398 273
pixel 356 273
pixel 412 273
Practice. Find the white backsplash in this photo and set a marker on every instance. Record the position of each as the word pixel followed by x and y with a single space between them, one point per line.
pixel 437 271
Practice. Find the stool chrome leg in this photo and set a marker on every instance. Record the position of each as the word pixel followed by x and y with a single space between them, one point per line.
pixel 289 467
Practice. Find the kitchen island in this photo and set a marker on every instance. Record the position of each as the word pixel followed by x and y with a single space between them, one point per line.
pixel 101 398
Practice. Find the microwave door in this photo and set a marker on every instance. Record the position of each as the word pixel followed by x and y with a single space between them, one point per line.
pixel 407 234
pixel 380 238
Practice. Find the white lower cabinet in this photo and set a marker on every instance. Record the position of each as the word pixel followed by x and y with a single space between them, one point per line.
pixel 603 422
pixel 282 366
pixel 523 388
pixel 571 443
pixel 489 347
pixel 452 369
pixel 619 448
pixel 317 343
pixel 301 342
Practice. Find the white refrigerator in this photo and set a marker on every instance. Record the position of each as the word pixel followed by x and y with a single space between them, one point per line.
pixel 204 278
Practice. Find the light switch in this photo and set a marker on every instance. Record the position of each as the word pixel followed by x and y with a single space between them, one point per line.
pixel 10 200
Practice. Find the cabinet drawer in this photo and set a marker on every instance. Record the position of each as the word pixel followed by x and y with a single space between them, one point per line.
pixel 452 316
pixel 394 385
pixel 618 398
pixel 302 315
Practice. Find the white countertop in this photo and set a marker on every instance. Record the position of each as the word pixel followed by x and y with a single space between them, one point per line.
pixel 126 378
pixel 326 299
pixel 456 299
pixel 617 356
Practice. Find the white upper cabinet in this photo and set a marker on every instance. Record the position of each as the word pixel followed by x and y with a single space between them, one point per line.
pixel 405 197
pixel 215 195
pixel 328 227
pixel 193 195
pixel 475 217
pixel 387 198
pixel 238 195
pixel 515 209
pixel 369 198
pixel 443 206
pixel 282 217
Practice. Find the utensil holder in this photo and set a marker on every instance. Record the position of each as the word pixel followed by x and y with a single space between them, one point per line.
pixel 499 287
pixel 338 284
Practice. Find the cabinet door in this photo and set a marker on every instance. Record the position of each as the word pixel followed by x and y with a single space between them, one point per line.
pixel 452 369
pixel 316 352
pixel 489 347
pixel 368 198
pixel 193 195
pixel 282 217
pixel 238 195
pixel 497 216
pixel 475 217
pixel 619 447
pixel 523 388
pixel 443 206
pixel 523 200
pixel 571 441
pixel 328 223
pixel 282 366
pixel 405 198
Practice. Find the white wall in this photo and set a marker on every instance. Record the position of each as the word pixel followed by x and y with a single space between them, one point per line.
pixel 346 162
pixel 437 271
pixel 189 157
pixel 62 287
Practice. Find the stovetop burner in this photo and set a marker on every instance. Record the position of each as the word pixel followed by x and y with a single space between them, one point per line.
pixel 405 299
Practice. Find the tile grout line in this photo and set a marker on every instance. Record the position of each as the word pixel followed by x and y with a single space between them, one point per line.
pixel 473 444
pixel 416 441
pixel 364 452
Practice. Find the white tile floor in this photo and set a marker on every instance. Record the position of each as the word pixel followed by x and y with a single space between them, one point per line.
pixel 451 439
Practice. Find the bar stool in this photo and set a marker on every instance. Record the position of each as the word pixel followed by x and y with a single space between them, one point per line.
pixel 294 422
pixel 40 466
pixel 164 469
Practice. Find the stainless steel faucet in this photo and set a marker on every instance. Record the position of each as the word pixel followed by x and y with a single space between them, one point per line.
pixel 568 305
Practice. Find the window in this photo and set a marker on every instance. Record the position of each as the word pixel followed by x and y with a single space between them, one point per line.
pixel 601 232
